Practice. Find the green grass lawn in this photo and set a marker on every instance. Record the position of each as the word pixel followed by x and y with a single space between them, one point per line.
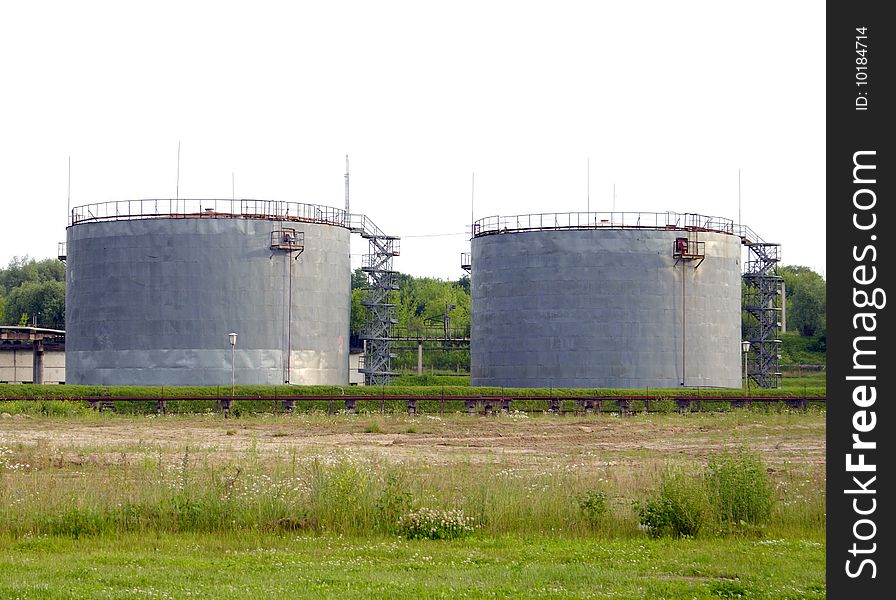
pixel 286 566
pixel 106 505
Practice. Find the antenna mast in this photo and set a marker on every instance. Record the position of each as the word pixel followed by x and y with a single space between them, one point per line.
pixel 177 188
pixel 346 185
pixel 589 185
pixel 69 205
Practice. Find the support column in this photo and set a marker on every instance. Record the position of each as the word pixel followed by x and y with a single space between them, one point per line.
pixel 783 293
pixel 37 369
pixel 419 358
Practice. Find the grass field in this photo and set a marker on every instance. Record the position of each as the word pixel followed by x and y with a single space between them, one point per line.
pixel 257 566
pixel 311 505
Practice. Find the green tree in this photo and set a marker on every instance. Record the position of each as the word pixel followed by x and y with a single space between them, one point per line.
pixel 808 312
pixel 806 300
pixel 33 288
pixel 359 312
pixel 44 300
pixel 424 302
pixel 421 305
pixel 22 269
pixel 359 279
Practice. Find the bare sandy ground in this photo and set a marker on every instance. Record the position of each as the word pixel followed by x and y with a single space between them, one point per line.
pixel 512 440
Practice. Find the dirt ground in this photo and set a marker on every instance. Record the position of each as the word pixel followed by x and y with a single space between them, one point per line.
pixel 511 440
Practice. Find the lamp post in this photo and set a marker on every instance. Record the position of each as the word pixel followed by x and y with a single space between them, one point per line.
pixel 232 337
pixel 745 347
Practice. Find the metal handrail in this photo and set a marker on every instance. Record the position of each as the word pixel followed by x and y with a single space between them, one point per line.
pixel 614 220
pixel 275 210
pixel 123 210
pixel 431 333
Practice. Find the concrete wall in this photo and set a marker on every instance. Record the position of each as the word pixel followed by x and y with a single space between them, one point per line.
pixel 604 308
pixel 355 377
pixel 151 302
pixel 16 366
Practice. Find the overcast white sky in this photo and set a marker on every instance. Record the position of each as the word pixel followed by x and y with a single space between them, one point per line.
pixel 667 100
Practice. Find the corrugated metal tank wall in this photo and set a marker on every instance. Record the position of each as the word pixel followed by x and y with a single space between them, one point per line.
pixel 151 302
pixel 604 308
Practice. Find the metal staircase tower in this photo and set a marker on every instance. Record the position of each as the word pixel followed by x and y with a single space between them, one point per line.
pixel 762 301
pixel 381 283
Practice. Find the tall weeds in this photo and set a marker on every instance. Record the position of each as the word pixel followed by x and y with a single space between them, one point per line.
pixel 43 490
pixel 733 494
pixel 739 488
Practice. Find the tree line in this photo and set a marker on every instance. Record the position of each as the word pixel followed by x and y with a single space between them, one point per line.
pixel 421 307
pixel 806 308
pixel 33 292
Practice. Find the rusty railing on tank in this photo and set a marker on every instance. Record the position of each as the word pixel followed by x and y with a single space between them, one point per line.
pixel 123 210
pixel 612 220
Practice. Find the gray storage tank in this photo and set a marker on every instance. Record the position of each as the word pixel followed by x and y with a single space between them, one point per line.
pixel 631 300
pixel 154 288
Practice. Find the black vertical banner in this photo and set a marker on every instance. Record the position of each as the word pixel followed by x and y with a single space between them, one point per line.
pixel 861 372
